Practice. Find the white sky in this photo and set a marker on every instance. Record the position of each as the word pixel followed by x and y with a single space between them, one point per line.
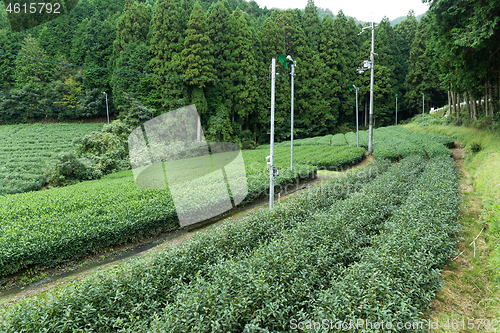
pixel 363 10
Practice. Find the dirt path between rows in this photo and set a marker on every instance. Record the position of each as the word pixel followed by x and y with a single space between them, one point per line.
pixel 467 287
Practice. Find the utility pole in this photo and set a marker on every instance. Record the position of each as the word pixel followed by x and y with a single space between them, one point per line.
pixel 357 122
pixel 270 162
pixel 370 125
pixel 396 109
pixel 107 111
pixel 370 64
pixel 294 63
pixel 423 111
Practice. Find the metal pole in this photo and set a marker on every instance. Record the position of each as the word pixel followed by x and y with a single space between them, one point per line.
pixel 107 111
pixel 271 176
pixel 291 147
pixel 372 60
pixel 357 122
pixel 396 110
pixel 423 109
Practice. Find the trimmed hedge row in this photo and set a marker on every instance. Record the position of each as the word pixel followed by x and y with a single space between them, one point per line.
pixel 50 227
pixel 281 279
pixel 327 140
pixel 141 288
pixel 399 275
pixel 26 149
pixel 324 157
pixel 351 139
pixel 390 144
pixel 338 140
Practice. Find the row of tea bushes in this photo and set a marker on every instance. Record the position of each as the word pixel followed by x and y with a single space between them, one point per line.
pixel 46 228
pixel 352 139
pixel 282 278
pixel 43 229
pixel 327 140
pixel 399 275
pixel 141 288
pixel 324 157
pixel 26 149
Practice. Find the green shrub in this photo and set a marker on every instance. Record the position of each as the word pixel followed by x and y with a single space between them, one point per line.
pixel 338 140
pixel 281 278
pixel 67 168
pixel 97 214
pixel 26 150
pixel 474 147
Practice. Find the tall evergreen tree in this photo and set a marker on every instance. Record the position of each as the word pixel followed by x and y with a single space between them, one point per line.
pixel 167 42
pixel 405 35
pixel 342 55
pixel 98 41
pixel 197 57
pixel 131 32
pixel 132 26
pixel 56 37
pixel 218 32
pixel 282 34
pixel 421 76
pixel 242 64
pixel 312 26
pixel 78 48
pixel 218 97
pixel 406 31
pixel 33 72
pixel 9 43
pixel 329 54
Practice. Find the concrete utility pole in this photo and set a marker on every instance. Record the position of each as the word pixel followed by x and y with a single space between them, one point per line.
pixel 372 60
pixel 270 162
pixel 396 109
pixel 107 111
pixel 357 122
pixel 370 64
pixel 423 111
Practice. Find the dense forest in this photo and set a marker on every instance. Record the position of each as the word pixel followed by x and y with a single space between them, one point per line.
pixel 151 57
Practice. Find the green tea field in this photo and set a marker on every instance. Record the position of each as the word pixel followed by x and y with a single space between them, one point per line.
pixel 25 150
pixel 365 244
pixel 46 228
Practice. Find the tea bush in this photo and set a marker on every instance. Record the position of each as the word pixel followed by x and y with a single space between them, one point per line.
pixel 141 288
pixel 56 225
pixel 338 140
pixel 281 278
pixel 398 276
pixel 351 139
pixel 26 150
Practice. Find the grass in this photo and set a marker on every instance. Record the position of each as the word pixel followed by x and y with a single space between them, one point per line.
pixel 472 280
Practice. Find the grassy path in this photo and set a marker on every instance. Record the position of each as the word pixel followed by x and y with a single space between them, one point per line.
pixel 471 280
